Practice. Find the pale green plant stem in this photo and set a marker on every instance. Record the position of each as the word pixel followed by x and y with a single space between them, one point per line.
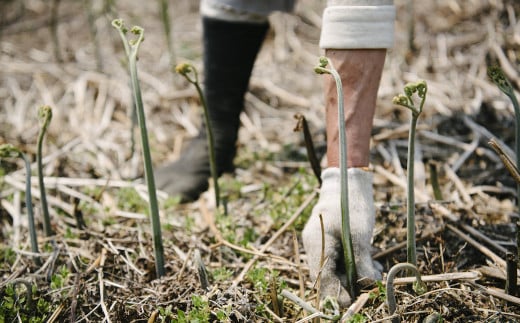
pixel 45 115
pixel 498 77
pixel 407 101
pixel 185 69
pixel 91 18
pixel 348 249
pixel 10 151
pixel 165 17
pixel 132 50
pixel 29 206
pixel 513 99
pixel 411 252
pixel 54 29
pixel 390 293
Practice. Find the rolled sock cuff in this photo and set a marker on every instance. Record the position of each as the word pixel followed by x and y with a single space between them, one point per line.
pixel 358 180
pixel 358 27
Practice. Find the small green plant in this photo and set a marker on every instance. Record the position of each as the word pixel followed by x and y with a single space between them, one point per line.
pixel 357 318
pixel 129 200
pixel 45 116
pixel 17 303
pixel 221 274
pixel 8 256
pixel 199 311
pixel 406 100
pixel 187 70
pixel 269 286
pixel 380 294
pixel 60 278
pixel 258 276
pixel 165 313
pixel 131 49
pixel 348 249
pixel 10 151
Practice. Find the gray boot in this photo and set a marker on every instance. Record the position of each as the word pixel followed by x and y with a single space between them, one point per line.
pixel 230 50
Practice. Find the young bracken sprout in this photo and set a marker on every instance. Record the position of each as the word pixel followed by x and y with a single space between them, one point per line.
pixel 45 116
pixel 419 286
pixel 348 250
pixel 496 75
pixel 186 70
pixel 406 100
pixel 10 151
pixel 131 49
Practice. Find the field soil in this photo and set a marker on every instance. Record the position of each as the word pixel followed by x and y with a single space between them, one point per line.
pixel 237 262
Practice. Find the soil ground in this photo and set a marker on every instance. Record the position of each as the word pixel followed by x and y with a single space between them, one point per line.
pixel 99 267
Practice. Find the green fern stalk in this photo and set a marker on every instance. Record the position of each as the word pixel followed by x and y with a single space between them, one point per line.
pixel 9 151
pixel 45 116
pixel 498 77
pixel 185 70
pixel 348 249
pixel 131 48
pixel 419 285
pixel 165 17
pixel 406 100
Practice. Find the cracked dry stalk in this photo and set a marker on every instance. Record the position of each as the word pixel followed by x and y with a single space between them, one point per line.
pixel 303 126
pixel 346 239
pixel 10 151
pixel 45 116
pixel 185 69
pixel 406 100
pixel 131 49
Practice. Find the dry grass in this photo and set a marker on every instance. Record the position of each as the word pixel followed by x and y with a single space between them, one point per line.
pixel 91 170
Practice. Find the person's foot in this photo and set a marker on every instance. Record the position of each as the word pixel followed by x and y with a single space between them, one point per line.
pixel 188 176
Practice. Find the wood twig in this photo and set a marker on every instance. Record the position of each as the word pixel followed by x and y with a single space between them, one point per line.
pixel 483 238
pixel 506 160
pixel 497 293
pixel 488 253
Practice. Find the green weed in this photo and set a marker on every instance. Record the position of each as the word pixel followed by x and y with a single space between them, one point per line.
pixel 380 294
pixel 129 200
pixel 199 312
pixel 221 274
pixel 60 279
pixel 17 304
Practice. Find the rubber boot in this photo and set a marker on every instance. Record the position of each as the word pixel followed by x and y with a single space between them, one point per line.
pixel 230 50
